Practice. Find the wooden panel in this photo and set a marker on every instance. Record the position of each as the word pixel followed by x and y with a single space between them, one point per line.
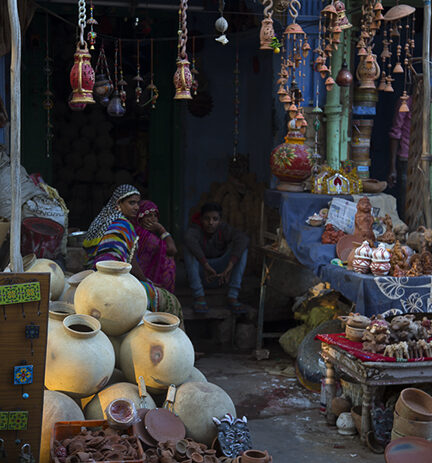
pixel 16 349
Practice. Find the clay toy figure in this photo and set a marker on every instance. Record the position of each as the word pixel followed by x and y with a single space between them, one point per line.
pixel 363 222
pixel 388 236
pixel 398 257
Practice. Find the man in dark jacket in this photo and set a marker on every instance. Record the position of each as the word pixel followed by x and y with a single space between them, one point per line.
pixel 218 252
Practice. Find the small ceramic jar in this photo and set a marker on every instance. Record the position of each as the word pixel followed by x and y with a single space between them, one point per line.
pixel 362 258
pixel 346 425
pixel 380 265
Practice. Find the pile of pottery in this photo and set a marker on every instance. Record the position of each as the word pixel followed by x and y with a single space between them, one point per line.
pixel 105 346
pixel 413 415
pixel 376 260
pixel 101 445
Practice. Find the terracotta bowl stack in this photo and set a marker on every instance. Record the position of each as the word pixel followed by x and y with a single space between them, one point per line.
pixel 413 415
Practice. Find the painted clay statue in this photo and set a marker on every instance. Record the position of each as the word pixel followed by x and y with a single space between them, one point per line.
pixel 388 236
pixel 363 222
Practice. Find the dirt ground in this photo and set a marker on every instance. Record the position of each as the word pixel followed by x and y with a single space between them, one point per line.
pixel 283 416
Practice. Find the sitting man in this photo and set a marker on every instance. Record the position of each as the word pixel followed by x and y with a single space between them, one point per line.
pixel 218 252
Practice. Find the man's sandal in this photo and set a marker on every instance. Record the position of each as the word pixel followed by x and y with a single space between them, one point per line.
pixel 237 307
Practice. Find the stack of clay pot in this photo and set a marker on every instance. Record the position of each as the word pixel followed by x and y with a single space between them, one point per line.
pixel 107 326
pixel 413 415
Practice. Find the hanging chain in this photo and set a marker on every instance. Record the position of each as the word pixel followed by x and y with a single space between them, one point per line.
pixel 81 19
pixel 183 32
pixel 294 8
pixel 268 10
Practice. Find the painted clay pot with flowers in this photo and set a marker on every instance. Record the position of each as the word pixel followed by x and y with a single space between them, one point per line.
pixel 290 162
pixel 362 258
pixel 380 265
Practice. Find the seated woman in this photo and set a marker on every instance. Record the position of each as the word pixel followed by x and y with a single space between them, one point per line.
pixel 112 236
pixel 156 247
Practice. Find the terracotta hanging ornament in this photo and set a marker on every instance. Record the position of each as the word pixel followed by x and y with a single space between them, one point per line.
pixel 183 75
pixel 404 108
pixel 122 83
pixel 344 77
pixel 221 25
pixel 103 86
pixel 115 107
pixel 91 35
pixel 267 32
pixel 368 70
pixel 82 75
pixel 342 20
pixel 138 79
pixel 398 12
pixel 154 92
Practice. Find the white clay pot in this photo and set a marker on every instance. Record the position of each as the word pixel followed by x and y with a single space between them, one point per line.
pixel 56 407
pixel 57 279
pixel 159 351
pixel 95 409
pixel 72 285
pixel 58 311
pixel 196 404
pixel 113 296
pixel 80 357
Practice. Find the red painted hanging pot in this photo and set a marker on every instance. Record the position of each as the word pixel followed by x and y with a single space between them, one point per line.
pixel 82 77
pixel 290 162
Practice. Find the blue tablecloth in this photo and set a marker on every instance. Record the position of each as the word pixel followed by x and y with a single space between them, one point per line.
pixel 372 295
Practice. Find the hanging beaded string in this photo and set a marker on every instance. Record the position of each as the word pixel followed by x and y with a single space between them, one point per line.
pixel 102 64
pixel 154 93
pixel 116 67
pixel 194 71
pixel 183 32
pixel 122 82
pixel 138 78
pixel 236 104
pixel 81 19
pixel 48 101
pixel 91 35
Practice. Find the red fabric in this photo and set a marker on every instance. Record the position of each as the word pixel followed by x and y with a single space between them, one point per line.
pixel 355 348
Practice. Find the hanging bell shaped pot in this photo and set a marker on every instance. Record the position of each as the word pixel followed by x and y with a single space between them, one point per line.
pixel 103 88
pixel 82 77
pixel 182 80
pixel 344 77
pixel 115 107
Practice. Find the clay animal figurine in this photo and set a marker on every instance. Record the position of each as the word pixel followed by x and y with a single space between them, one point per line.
pixel 376 336
pixel 355 320
pixel 398 257
pixel 426 262
pixel 400 351
pixel 401 232
pixel 388 236
pixel 363 222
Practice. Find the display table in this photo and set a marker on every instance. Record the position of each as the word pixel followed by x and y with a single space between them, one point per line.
pixel 370 375
pixel 372 295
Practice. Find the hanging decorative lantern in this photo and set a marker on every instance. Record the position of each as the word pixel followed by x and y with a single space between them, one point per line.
pixel 342 20
pixel 183 76
pixel 103 86
pixel 115 107
pixel 82 76
pixel 344 77
pixel 267 32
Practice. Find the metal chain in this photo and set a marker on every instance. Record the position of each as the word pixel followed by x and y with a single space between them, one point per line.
pixel 294 8
pixel 81 19
pixel 184 31
pixel 268 10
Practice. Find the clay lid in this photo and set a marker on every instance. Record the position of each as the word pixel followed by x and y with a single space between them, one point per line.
pixel 408 448
pixel 140 430
pixel 163 425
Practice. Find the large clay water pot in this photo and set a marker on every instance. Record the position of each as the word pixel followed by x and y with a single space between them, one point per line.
pixel 196 377
pixel 72 283
pixel 80 357
pixel 58 311
pixel 56 407
pixel 95 409
pixel 159 351
pixel 196 404
pixel 116 341
pixel 57 279
pixel 113 296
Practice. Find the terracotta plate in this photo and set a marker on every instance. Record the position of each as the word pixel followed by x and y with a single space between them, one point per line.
pixel 163 425
pixel 409 449
pixel 140 430
pixel 344 247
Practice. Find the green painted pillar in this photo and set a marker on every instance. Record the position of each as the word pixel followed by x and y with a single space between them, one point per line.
pixel 333 113
pixel 346 104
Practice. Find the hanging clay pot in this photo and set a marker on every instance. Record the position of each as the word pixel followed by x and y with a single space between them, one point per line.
pixel 95 409
pixel 57 280
pixel 159 351
pixel 266 34
pixel 73 282
pixel 56 407
pixel 115 107
pixel 344 77
pixel 182 80
pixel 80 358
pixel 82 76
pixel 196 404
pixel 368 71
pixel 113 296
pixel 103 88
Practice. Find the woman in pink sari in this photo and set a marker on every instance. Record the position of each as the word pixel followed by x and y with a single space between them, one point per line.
pixel 156 247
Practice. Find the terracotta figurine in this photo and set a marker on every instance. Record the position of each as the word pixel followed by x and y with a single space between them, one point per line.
pixel 388 236
pixel 398 257
pixel 364 221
